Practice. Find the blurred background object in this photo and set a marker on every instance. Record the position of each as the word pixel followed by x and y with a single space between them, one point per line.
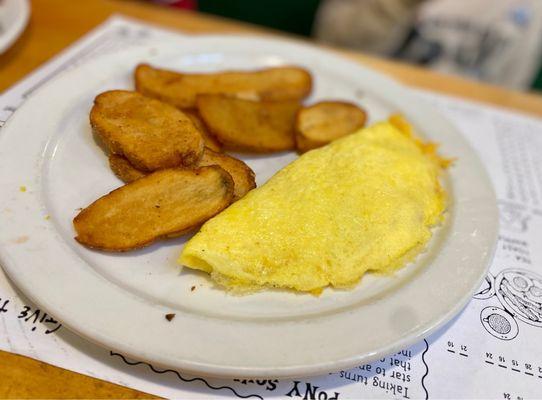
pixel 14 15
pixel 496 41
pixel 372 26
pixel 294 16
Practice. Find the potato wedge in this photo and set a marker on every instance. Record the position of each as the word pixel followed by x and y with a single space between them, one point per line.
pixel 163 204
pixel 243 177
pixel 150 134
pixel 181 89
pixel 208 138
pixel 125 171
pixel 323 122
pixel 248 125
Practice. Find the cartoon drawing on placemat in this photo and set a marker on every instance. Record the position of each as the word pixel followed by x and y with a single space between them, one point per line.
pixel 519 291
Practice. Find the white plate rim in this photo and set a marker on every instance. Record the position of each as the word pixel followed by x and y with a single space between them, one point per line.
pixel 425 112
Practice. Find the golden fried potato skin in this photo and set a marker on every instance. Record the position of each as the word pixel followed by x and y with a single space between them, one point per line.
pixel 125 171
pixel 152 135
pixel 210 141
pixel 246 125
pixel 181 89
pixel 165 203
pixel 243 177
pixel 325 121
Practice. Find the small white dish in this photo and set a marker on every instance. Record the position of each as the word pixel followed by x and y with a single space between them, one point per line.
pixel 50 166
pixel 14 15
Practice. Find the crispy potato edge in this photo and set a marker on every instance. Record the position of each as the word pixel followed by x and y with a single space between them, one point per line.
pixel 226 180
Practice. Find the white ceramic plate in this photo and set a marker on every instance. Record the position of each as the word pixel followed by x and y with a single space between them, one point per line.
pixel 120 300
pixel 14 16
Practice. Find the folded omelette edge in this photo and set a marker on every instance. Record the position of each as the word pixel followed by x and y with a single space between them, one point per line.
pixel 366 202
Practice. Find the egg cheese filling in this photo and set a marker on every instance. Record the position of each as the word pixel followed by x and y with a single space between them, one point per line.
pixel 366 202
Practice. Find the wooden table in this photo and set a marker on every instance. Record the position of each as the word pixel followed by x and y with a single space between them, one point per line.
pixel 57 23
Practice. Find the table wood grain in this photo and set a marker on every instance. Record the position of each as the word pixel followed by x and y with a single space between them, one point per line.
pixel 55 24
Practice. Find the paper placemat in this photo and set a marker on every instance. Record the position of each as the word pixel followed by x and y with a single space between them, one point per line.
pixel 491 350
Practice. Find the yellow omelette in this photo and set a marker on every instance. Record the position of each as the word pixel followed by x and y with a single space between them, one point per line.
pixel 366 202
